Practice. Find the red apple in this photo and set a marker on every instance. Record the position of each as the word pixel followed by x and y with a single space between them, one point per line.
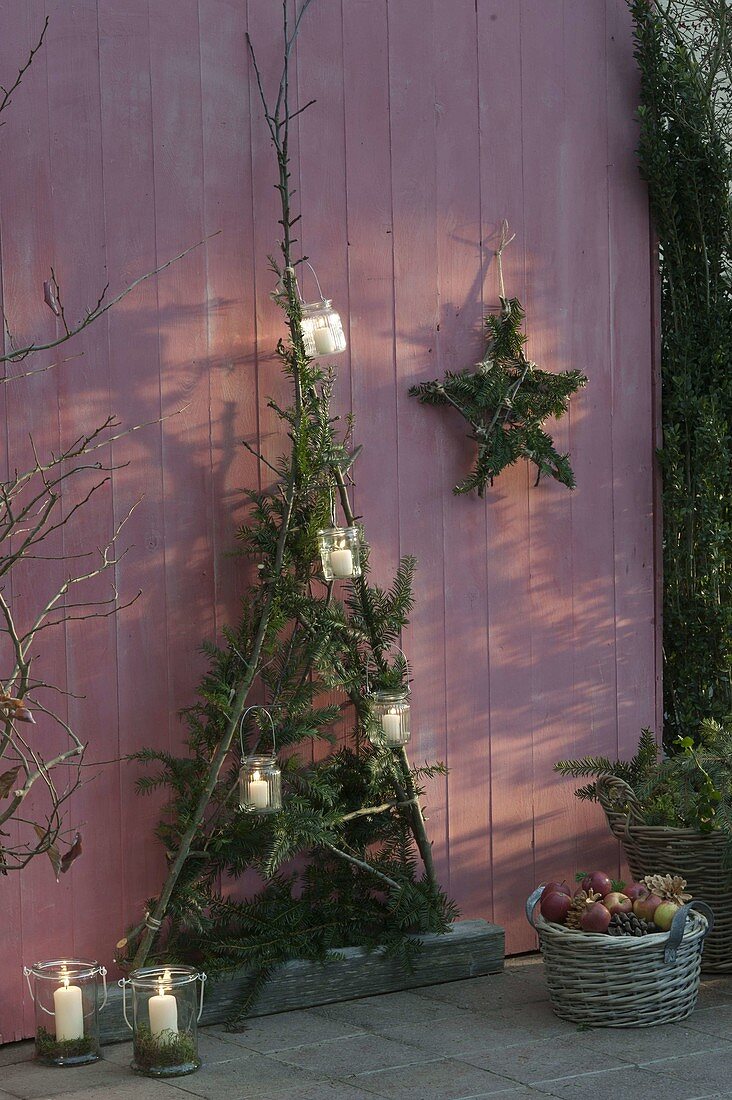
pixel 556 888
pixel 596 918
pixel 646 907
pixel 664 914
pixel 598 882
pixel 635 890
pixel 617 902
pixel 555 906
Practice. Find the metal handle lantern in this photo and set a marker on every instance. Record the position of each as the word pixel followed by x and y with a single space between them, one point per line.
pixel 67 992
pixel 322 328
pixel 391 708
pixel 166 1009
pixel 260 778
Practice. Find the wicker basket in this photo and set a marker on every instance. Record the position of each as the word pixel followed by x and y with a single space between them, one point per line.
pixel 621 981
pixel 660 850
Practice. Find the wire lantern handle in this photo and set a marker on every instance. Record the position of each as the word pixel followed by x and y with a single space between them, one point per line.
pixel 370 661
pixel 257 706
pixel 291 272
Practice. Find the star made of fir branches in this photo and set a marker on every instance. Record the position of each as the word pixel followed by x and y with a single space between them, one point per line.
pixel 507 400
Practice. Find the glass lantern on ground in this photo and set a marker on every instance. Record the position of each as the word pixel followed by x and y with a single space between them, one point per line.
pixel 322 329
pixel 260 785
pixel 65 996
pixel 166 1008
pixel 390 708
pixel 340 552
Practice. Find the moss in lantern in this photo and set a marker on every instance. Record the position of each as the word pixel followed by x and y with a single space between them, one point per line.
pixel 51 1049
pixel 167 1054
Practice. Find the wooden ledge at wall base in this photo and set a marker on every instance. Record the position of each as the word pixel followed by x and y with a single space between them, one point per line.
pixel 473 948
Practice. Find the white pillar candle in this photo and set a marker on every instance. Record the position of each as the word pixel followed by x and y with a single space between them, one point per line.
pixel 391 723
pixel 258 794
pixel 341 562
pixel 324 341
pixel 163 1010
pixel 69 1010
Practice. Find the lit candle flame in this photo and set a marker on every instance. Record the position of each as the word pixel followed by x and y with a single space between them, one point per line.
pixel 167 977
pixel 65 976
pixel 256 776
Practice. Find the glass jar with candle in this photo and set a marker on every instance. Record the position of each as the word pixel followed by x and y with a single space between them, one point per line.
pixel 65 995
pixel 390 708
pixel 260 785
pixel 322 329
pixel 340 552
pixel 166 1008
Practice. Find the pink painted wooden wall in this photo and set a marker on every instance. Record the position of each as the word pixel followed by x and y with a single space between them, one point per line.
pixel 135 134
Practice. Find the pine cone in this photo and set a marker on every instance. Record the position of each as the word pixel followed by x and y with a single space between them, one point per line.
pixel 668 887
pixel 580 901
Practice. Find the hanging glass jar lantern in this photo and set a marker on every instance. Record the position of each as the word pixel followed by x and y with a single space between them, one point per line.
pixel 390 710
pixel 321 325
pixel 340 552
pixel 322 329
pixel 65 996
pixel 260 778
pixel 166 1009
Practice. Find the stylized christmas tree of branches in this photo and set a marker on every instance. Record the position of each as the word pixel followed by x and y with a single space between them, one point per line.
pixel 318 644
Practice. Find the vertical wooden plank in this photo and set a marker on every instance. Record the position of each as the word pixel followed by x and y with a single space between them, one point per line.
pixel 142 672
pixel 28 253
pixel 11 945
pixel 593 727
pixel 460 344
pixel 508 610
pixel 227 200
pixel 421 441
pixel 78 218
pixel 635 418
pixel 371 277
pixel 321 168
pixel 182 297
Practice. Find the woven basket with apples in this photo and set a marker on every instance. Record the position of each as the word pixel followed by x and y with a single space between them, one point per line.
pixel 620 955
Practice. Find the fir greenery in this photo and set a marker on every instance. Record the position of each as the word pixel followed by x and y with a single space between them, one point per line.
pixel 691 788
pixel 507 400
pixel 684 51
pixel 351 819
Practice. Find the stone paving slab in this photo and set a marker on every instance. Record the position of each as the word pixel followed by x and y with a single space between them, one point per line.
pixel 489 1037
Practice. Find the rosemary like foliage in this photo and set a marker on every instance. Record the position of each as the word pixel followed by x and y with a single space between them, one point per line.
pixel 338 866
pixel 684 50
pixel 507 400
pixel 690 789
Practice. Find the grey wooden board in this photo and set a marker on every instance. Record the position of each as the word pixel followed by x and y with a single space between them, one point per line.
pixel 471 949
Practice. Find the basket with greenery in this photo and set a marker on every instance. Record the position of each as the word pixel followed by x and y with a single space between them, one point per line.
pixel 673 815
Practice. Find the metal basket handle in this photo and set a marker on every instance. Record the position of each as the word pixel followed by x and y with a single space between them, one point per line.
pixel 370 661
pixel 531 903
pixel 678 927
pixel 103 972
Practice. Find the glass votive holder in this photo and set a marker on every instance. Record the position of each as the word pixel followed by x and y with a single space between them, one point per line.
pixel 340 552
pixel 260 785
pixel 322 329
pixel 65 996
pixel 390 708
pixel 166 1008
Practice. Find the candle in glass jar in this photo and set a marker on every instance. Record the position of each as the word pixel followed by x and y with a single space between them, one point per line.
pixel 163 1009
pixel 324 342
pixel 69 1012
pixel 391 723
pixel 258 794
pixel 341 562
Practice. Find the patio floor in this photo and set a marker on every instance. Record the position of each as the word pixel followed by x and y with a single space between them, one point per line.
pixel 465 1040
